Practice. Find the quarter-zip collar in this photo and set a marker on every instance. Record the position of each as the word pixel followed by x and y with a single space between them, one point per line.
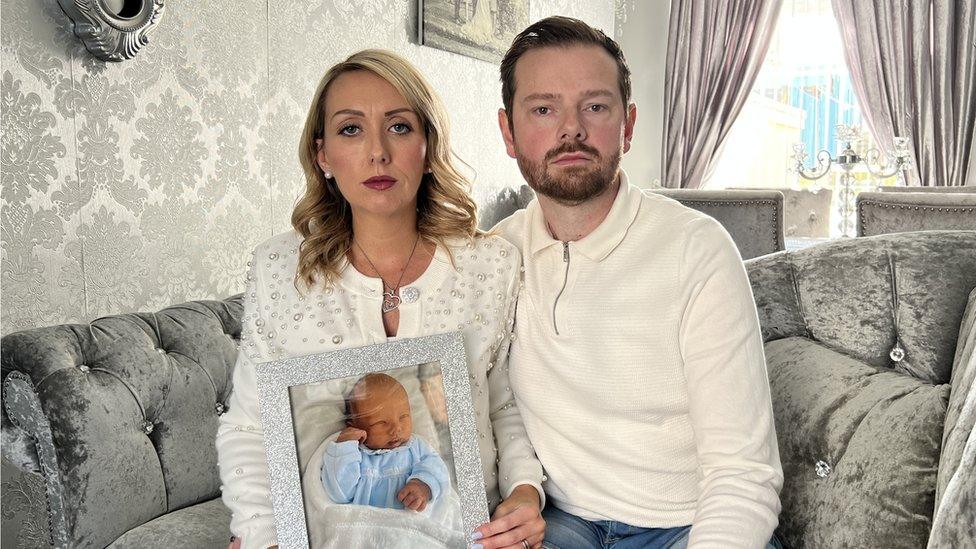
pixel 608 235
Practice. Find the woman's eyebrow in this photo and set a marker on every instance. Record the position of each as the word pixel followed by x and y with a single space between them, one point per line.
pixel 387 114
pixel 348 111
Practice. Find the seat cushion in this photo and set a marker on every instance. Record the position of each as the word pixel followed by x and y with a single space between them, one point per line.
pixel 859 446
pixel 201 526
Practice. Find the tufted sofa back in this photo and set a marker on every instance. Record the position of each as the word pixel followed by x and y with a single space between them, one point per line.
pixel 131 402
pixel 858 295
pixel 864 344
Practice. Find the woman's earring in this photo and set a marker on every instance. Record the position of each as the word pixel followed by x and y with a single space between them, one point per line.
pixel 327 174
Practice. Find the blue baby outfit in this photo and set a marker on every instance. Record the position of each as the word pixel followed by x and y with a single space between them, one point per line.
pixel 353 473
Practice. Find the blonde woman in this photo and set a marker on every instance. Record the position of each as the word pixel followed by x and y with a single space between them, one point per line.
pixel 384 245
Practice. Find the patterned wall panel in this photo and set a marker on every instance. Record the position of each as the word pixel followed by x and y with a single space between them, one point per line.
pixel 135 185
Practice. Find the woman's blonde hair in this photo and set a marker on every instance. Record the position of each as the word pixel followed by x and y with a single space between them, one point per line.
pixel 445 208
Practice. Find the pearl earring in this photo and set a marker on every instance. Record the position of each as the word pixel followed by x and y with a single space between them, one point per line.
pixel 327 174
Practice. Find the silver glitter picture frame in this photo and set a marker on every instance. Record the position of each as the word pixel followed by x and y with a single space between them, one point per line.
pixel 276 378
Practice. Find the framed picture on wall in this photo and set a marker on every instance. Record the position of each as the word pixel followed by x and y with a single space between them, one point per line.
pixel 373 446
pixel 482 29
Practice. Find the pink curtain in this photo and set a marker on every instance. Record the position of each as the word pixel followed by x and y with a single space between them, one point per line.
pixel 715 51
pixel 913 65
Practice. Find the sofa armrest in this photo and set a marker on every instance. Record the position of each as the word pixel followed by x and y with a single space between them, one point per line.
pixel 22 408
pixel 24 504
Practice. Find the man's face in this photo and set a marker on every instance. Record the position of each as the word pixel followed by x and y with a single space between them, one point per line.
pixel 569 124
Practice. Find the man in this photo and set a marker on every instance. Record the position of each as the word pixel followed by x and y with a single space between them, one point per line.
pixel 637 363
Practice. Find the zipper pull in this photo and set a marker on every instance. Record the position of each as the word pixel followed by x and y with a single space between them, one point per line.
pixel 565 252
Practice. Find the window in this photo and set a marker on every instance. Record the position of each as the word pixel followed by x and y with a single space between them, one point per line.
pixel 801 94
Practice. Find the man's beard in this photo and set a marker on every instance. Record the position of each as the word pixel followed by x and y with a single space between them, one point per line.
pixel 575 184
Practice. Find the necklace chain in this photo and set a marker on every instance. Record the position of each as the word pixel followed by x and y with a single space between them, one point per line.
pixel 391 300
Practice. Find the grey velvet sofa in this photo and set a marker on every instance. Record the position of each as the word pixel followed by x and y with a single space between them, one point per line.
pixel 870 353
pixel 892 212
pixel 110 426
pixel 108 429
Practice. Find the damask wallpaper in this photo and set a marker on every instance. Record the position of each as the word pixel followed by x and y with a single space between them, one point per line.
pixel 136 185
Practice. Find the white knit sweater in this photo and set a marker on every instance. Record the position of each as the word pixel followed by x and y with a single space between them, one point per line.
pixel 638 368
pixel 278 323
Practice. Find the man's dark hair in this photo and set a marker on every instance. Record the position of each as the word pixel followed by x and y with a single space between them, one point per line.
pixel 561 32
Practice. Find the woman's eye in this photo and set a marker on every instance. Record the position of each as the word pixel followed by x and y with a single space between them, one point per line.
pixel 349 130
pixel 400 127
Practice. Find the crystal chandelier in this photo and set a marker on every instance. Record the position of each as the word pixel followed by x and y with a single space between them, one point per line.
pixel 879 165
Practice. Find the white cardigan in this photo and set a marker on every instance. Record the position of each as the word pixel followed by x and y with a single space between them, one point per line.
pixel 638 368
pixel 476 297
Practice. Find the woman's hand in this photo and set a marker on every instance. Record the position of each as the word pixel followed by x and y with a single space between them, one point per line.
pixel 515 519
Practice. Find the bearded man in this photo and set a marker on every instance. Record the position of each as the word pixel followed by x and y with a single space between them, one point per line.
pixel 637 365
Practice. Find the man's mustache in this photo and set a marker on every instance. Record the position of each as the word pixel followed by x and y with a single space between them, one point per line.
pixel 572 147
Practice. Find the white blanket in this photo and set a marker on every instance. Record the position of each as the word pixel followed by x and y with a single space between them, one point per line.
pixel 346 526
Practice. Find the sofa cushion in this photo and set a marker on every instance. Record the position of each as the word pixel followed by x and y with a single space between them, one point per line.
pixel 859 447
pixel 201 526
pixel 846 298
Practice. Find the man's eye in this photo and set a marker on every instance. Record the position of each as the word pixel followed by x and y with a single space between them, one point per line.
pixel 542 110
pixel 400 127
pixel 349 130
pixel 597 108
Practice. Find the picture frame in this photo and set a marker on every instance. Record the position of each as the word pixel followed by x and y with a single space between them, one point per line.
pixel 299 399
pixel 482 29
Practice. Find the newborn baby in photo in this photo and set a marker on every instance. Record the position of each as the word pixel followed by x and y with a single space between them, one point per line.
pixel 376 460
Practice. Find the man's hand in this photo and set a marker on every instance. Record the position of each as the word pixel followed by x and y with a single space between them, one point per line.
pixel 351 433
pixel 414 495
pixel 515 519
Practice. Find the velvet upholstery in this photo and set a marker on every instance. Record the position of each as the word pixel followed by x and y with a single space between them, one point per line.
pixel 882 213
pixel 806 211
pixel 132 403
pixel 202 526
pixel 830 315
pixel 955 516
pixel 754 219
pixel 504 204
pixel 940 189
pixel 879 431
pixel 961 415
pixel 955 522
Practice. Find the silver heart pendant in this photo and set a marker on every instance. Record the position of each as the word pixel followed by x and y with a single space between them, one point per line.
pixel 390 302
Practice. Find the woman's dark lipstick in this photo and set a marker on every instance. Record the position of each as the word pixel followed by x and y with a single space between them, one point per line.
pixel 380 182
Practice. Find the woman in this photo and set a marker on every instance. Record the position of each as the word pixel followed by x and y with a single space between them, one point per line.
pixel 385 245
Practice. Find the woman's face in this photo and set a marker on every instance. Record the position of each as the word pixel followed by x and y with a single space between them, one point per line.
pixel 373 144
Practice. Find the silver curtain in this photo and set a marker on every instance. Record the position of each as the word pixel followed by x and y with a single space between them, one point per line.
pixel 913 66
pixel 715 51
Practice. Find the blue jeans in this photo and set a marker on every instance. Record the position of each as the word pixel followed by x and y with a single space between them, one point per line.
pixel 566 531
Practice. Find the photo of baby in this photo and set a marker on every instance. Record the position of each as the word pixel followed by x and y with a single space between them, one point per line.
pixel 377 459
